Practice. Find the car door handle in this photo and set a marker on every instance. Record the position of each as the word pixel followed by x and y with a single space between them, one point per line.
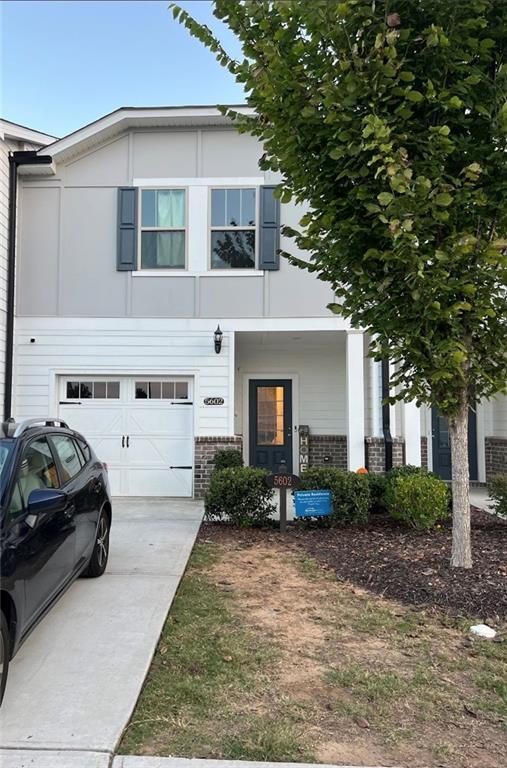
pixel 69 511
pixel 123 441
pixel 180 467
pixel 128 438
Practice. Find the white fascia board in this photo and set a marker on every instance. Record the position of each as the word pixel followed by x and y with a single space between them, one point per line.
pixel 131 117
pixel 21 133
pixel 162 326
pixel 37 170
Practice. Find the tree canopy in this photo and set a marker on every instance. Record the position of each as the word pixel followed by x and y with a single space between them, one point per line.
pixel 390 120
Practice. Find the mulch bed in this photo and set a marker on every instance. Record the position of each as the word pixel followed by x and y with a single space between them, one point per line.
pixel 403 564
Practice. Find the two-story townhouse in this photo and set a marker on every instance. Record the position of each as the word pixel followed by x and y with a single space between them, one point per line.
pixel 155 315
pixel 13 138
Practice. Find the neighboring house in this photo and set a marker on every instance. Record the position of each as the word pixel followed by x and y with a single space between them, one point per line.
pixel 152 228
pixel 13 138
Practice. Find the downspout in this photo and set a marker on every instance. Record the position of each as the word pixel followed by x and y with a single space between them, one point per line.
pixel 15 160
pixel 386 417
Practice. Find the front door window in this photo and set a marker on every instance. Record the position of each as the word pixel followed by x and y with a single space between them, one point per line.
pixel 270 416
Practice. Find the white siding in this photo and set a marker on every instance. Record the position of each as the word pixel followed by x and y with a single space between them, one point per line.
pixel 318 359
pixel 498 417
pixel 118 346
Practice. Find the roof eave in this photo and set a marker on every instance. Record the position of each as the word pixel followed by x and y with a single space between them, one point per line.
pixel 115 123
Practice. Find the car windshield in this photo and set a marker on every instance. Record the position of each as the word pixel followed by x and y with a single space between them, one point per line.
pixel 6 448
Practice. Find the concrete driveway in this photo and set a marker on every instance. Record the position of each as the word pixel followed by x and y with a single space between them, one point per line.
pixel 74 683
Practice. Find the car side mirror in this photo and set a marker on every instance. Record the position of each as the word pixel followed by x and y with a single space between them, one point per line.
pixel 41 501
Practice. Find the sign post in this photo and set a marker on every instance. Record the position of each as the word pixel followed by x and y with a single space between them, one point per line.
pixel 283 481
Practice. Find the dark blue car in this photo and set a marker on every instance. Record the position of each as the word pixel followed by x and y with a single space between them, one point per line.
pixel 55 523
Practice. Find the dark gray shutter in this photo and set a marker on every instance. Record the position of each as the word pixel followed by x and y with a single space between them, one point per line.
pixel 126 255
pixel 269 229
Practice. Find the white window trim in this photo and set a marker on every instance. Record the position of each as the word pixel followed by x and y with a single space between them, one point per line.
pixel 209 229
pixel 141 229
pixel 187 273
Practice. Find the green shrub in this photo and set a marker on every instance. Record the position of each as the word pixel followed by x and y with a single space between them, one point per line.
pixel 419 500
pixel 240 495
pixel 350 492
pixel 407 470
pixel 497 489
pixel 378 488
pixel 227 457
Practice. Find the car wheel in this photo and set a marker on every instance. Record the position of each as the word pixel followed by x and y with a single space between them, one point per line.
pixel 98 560
pixel 4 655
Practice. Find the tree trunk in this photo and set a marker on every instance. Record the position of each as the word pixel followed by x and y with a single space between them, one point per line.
pixel 461 541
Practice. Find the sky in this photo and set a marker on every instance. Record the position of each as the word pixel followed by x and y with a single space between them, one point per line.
pixel 64 64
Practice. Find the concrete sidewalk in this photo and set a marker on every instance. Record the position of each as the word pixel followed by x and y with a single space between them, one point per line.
pixel 74 683
pixel 182 762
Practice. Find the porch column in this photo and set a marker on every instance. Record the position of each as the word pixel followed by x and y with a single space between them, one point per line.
pixel 412 433
pixel 355 399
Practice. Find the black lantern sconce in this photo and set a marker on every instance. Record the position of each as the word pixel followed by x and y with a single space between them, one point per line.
pixel 217 338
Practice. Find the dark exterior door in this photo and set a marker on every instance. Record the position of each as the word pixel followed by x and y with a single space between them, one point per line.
pixel 270 409
pixel 442 444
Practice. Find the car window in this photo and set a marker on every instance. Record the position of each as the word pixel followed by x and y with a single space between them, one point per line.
pixel 85 449
pixel 70 459
pixel 37 471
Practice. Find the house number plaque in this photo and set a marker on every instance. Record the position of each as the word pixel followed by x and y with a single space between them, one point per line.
pixel 214 401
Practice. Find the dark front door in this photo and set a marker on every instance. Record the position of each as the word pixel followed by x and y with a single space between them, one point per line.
pixel 442 444
pixel 270 411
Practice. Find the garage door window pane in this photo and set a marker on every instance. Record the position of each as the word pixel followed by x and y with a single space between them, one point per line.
pixel 73 389
pixel 113 390
pixel 141 390
pixel 181 390
pixel 86 389
pixel 99 389
pixel 155 390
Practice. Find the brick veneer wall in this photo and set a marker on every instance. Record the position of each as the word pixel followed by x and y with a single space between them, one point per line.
pixel 375 453
pixel 496 456
pixel 205 449
pixel 328 451
pixel 424 452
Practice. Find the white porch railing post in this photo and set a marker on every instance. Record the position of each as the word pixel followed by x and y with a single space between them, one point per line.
pixel 355 399
pixel 412 433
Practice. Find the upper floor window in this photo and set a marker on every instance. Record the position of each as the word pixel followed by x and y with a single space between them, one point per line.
pixel 163 228
pixel 233 216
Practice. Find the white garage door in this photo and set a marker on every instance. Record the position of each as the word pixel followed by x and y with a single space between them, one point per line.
pixel 142 428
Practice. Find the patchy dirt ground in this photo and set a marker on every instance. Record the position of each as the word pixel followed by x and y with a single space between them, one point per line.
pixel 407 565
pixel 369 681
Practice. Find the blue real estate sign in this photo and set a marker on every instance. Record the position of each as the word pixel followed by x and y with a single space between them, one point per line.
pixel 312 503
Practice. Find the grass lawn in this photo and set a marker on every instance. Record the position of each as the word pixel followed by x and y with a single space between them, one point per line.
pixel 267 656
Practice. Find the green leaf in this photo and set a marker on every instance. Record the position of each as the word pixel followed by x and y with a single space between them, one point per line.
pixel 459 356
pixel 455 102
pixel 443 199
pixel 414 96
pixel 407 77
pixel 384 198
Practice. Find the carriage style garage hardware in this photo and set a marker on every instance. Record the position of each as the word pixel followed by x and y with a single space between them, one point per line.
pixel 214 401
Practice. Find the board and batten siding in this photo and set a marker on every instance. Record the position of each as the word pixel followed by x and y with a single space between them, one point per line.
pixel 68 229
pixel 318 360
pixel 79 348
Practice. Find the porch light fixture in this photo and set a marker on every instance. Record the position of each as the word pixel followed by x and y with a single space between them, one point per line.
pixel 217 338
